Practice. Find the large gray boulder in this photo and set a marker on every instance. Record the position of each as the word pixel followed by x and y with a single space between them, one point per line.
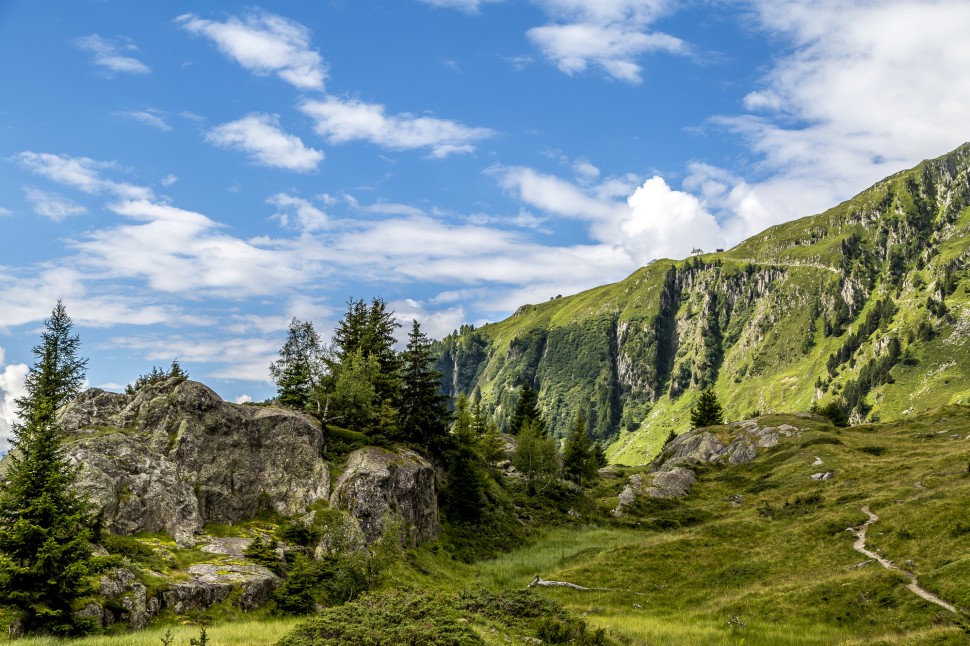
pixel 377 483
pixel 175 456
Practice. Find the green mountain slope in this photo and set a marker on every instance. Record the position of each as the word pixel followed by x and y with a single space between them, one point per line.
pixel 866 303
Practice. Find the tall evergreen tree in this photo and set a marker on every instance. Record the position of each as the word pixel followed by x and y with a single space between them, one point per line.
pixel 45 528
pixel 578 462
pixel 371 331
pixel 301 366
pixel 526 411
pixel 479 420
pixel 465 483
pixel 536 456
pixel 707 411
pixel 423 412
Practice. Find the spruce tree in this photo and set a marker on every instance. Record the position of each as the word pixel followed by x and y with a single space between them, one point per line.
pixel 465 484
pixel 577 456
pixel 45 528
pixel 707 411
pixel 526 411
pixel 536 456
pixel 423 411
pixel 370 330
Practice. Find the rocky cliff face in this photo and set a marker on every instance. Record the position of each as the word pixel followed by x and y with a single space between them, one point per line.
pixel 866 303
pixel 377 483
pixel 175 456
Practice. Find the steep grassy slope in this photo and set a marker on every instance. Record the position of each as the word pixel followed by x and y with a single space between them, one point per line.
pixel 866 303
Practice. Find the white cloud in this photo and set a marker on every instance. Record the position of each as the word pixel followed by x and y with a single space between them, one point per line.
pixel 434 323
pixel 653 220
pixel 867 89
pixel 52 205
pixel 243 399
pixel 149 118
pixel 4 212
pixel 297 213
pixel 342 121
pixel 82 173
pixel 260 137
pixel 611 34
pixel 169 179
pixel 243 358
pixel 180 251
pixel 469 6
pixel 108 54
pixel 264 43
pixel 11 387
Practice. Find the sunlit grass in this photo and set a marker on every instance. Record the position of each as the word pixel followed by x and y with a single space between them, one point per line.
pixel 244 633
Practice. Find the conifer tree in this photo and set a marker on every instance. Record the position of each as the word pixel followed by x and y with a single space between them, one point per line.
pixel 370 330
pixel 707 411
pixel 301 366
pixel 465 484
pixel 536 456
pixel 491 446
pixel 577 457
pixel 479 421
pixel 44 524
pixel 423 410
pixel 526 411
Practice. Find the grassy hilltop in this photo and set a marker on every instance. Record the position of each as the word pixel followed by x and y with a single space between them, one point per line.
pixel 865 304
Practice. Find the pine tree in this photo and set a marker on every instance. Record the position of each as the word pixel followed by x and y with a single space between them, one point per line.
pixel 301 366
pixel 479 421
pixel 44 524
pixel 707 411
pixel 465 483
pixel 424 413
pixel 577 456
pixel 491 446
pixel 526 411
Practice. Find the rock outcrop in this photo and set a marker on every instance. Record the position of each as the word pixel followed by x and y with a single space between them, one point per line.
pixel 671 474
pixel 175 456
pixel 377 483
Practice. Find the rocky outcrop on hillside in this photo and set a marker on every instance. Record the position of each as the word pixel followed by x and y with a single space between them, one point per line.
pixel 377 483
pixel 175 456
pixel 673 472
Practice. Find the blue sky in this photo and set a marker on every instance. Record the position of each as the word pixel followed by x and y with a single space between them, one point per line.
pixel 188 178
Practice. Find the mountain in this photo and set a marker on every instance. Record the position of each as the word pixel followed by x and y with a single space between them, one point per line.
pixel 864 305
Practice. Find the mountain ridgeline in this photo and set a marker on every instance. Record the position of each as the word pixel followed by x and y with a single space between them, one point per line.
pixel 866 305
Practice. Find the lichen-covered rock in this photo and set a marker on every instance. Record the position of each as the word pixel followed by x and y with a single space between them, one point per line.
pixel 376 483
pixel 175 456
pixel 741 450
pixel 688 450
pixel 629 494
pixel 213 583
pixel 672 483
pixel 129 600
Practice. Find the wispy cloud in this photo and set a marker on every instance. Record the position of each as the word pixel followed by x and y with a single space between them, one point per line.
pixel 112 55
pixel 341 121
pixel 865 90
pixel 149 118
pixel 611 34
pixel 5 212
pixel 82 173
pixel 469 6
pixel 245 358
pixel 169 179
pixel 264 43
pixel 52 205
pixel 262 139
pixel 297 213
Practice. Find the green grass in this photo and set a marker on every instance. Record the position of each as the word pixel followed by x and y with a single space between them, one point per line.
pixel 238 633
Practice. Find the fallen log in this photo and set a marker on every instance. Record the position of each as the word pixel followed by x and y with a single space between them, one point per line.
pixel 538 581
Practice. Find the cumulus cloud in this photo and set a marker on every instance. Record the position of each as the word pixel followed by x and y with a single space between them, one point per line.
pixel 148 118
pixel 652 221
pixel 341 121
pixel 264 43
pixel 436 323
pixel 81 173
pixel 610 34
pixel 52 205
pixel 11 387
pixel 112 56
pixel 298 213
pixel 262 139
pixel 868 88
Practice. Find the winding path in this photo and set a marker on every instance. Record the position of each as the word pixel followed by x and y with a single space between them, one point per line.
pixel 914 586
